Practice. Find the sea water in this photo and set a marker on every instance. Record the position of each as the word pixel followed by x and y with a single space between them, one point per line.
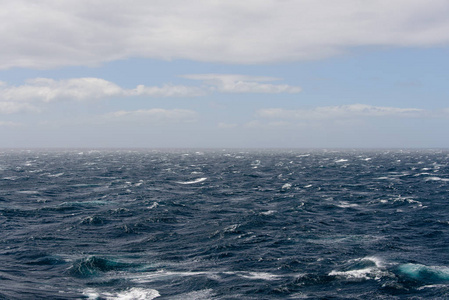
pixel 224 224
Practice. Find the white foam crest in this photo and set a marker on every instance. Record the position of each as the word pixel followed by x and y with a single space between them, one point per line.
pixel 258 275
pixel 422 174
pixel 344 204
pixel 131 294
pixel 355 274
pixel 370 272
pixel 434 178
pixel 341 160
pixel 28 192
pixel 287 186
pixel 193 181
pixel 154 205
pixel 407 200
pixel 268 213
pixel 56 175
pixel 433 286
pixel 162 275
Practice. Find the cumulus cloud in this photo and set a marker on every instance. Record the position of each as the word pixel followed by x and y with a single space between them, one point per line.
pixel 232 83
pixel 48 34
pixel 338 112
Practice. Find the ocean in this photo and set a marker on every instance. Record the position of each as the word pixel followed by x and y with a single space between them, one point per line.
pixel 224 224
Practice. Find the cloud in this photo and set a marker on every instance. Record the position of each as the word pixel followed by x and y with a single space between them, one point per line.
pixel 15 98
pixel 223 125
pixel 165 91
pixel 9 107
pixel 48 34
pixel 232 83
pixel 339 112
pixel 10 124
pixel 155 115
pixel 48 90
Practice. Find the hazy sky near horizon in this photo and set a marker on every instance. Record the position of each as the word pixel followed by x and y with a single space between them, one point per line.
pixel 202 73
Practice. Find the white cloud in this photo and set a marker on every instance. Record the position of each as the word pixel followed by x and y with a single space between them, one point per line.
pixel 338 112
pixel 48 34
pixel 165 91
pixel 14 98
pixel 233 83
pixel 48 90
pixel 154 115
pixel 9 107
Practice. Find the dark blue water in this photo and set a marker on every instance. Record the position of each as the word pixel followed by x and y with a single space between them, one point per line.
pixel 224 224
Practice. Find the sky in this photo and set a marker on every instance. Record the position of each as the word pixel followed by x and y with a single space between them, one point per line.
pixel 224 74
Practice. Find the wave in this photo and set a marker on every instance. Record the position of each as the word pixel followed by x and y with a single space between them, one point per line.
pixel 193 181
pixel 363 268
pixel 434 178
pixel 132 293
pixel 428 274
pixel 93 266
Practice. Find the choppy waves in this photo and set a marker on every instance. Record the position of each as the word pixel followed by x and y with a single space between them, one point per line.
pixel 224 224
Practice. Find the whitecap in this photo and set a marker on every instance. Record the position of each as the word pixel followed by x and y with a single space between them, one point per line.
pixel 355 274
pixel 56 175
pixel 139 183
pixel 193 181
pixel 28 192
pixel 344 204
pixel 341 160
pixel 130 294
pixel 432 286
pixel 367 268
pixel 162 275
pixel 421 174
pixel 267 213
pixel 437 179
pixel 287 186
pixel 258 275
pixel 154 205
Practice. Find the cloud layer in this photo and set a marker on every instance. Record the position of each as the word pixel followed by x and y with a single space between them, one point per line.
pixel 154 115
pixel 340 112
pixel 231 83
pixel 49 34
pixel 25 97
